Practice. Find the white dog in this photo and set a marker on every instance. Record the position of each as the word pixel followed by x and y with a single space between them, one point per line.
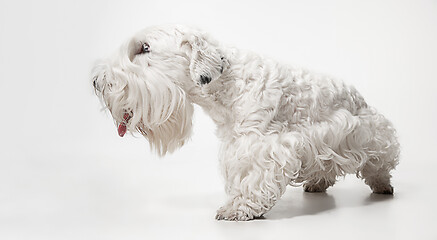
pixel 278 124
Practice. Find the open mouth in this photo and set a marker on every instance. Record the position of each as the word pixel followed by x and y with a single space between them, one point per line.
pixel 122 126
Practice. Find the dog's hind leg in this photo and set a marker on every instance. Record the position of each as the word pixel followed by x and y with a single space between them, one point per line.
pixel 257 172
pixel 379 180
pixel 383 153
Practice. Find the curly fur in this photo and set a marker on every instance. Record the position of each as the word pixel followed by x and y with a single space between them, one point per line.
pixel 278 124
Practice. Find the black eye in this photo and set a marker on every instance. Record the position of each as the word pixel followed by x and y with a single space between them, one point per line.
pixel 145 48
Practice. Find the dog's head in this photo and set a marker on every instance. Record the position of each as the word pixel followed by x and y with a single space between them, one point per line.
pixel 144 85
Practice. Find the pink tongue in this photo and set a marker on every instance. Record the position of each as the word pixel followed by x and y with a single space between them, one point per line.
pixel 122 127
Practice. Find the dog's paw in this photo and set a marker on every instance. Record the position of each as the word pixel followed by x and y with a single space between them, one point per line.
pixel 383 189
pixel 230 214
pixel 314 188
pixel 317 187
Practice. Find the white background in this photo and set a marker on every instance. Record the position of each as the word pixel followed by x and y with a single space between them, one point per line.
pixel 65 173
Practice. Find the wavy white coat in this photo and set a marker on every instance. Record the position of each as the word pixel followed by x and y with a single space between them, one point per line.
pixel 278 124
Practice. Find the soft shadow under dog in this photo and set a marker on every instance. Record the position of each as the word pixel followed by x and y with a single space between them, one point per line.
pixel 303 203
pixel 300 204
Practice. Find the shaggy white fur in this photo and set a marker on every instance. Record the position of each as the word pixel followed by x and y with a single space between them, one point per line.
pixel 278 124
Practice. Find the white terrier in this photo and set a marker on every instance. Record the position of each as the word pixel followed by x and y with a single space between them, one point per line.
pixel 278 124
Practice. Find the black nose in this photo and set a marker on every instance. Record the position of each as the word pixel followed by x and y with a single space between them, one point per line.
pixel 95 84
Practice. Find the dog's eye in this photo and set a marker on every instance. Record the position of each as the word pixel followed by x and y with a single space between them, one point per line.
pixel 145 48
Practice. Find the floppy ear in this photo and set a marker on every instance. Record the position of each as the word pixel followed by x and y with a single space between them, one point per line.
pixel 206 61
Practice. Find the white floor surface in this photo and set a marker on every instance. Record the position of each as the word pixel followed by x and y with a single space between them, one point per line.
pixel 110 198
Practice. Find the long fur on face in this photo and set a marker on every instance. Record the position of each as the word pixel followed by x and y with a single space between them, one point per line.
pixel 136 84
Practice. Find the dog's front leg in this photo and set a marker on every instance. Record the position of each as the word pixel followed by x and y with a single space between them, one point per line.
pixel 257 172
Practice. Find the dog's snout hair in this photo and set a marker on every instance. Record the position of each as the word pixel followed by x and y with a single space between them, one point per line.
pixel 137 84
pixel 98 76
